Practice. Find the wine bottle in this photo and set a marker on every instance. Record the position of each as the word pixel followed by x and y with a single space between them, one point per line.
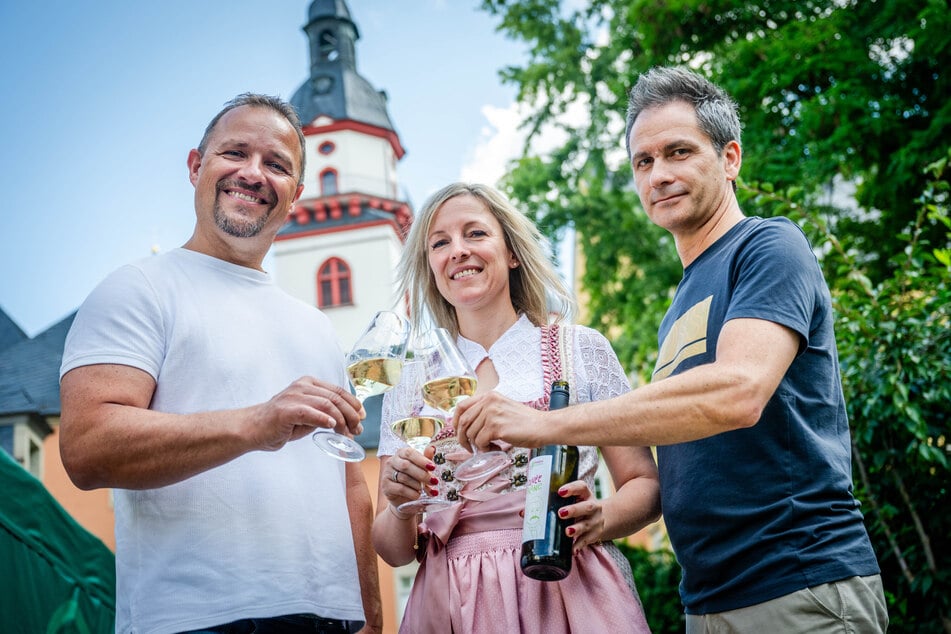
pixel 546 548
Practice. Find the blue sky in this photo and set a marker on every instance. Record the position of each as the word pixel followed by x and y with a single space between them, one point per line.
pixel 102 100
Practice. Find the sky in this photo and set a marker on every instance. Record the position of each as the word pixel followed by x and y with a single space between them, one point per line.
pixel 103 99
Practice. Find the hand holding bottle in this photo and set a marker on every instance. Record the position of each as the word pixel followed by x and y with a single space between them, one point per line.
pixel 584 516
pixel 546 540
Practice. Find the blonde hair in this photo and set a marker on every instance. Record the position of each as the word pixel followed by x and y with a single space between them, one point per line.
pixel 532 285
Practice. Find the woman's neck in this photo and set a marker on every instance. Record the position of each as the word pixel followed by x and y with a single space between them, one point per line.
pixel 486 326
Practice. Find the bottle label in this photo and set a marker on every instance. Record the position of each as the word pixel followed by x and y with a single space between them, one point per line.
pixel 536 498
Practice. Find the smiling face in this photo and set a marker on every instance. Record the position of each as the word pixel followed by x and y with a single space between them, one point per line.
pixel 468 256
pixel 682 181
pixel 245 184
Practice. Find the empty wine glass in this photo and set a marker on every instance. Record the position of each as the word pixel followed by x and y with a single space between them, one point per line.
pixel 449 380
pixel 374 365
pixel 418 427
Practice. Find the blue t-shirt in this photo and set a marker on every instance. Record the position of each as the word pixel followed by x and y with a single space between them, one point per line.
pixel 757 513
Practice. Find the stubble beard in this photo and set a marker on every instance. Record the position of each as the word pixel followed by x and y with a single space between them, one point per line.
pixel 240 227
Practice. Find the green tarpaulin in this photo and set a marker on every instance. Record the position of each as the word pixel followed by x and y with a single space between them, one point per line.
pixel 55 577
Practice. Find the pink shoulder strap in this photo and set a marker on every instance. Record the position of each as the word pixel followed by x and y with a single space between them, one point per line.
pixel 556 358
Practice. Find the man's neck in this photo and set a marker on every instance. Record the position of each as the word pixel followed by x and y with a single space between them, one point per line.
pixel 690 247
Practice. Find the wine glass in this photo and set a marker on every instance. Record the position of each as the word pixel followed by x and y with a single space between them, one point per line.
pixel 419 426
pixel 374 365
pixel 449 380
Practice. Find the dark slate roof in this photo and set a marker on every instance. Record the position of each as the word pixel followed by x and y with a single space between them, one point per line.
pixel 10 332
pixel 335 89
pixel 329 9
pixel 29 372
pixel 355 100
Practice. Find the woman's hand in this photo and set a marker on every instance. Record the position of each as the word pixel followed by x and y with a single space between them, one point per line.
pixel 405 473
pixel 588 525
pixel 394 533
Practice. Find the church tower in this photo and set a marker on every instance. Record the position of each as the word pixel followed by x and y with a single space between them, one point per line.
pixel 340 246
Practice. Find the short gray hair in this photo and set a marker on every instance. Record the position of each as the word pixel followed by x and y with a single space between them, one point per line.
pixel 257 100
pixel 717 113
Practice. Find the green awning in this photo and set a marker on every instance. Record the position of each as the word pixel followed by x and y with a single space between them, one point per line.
pixel 55 577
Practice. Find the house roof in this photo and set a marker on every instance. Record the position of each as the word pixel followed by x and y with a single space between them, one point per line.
pixel 10 333
pixel 29 372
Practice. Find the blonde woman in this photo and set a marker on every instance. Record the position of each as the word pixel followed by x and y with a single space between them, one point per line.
pixel 478 267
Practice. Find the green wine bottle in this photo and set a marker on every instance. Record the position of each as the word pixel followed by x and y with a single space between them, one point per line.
pixel 546 548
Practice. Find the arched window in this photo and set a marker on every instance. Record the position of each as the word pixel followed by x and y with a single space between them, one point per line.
pixel 328 182
pixel 333 284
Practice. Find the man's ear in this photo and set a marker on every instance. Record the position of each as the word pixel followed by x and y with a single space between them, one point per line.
pixel 732 159
pixel 290 207
pixel 194 164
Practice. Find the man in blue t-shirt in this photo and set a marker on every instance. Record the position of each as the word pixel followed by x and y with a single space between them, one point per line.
pixel 745 407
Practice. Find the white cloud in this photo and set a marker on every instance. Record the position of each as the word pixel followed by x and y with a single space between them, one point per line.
pixel 502 140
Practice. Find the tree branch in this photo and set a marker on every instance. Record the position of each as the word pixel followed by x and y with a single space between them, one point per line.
pixel 919 527
pixel 873 502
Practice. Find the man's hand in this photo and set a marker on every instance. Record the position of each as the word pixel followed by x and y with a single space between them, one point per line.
pixel 304 405
pixel 482 419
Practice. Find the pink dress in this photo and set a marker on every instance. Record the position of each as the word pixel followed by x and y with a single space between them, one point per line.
pixel 469 580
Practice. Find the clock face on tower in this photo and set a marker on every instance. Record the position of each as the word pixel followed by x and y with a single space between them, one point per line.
pixel 323 84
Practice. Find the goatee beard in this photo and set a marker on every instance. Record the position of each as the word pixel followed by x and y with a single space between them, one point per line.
pixel 240 228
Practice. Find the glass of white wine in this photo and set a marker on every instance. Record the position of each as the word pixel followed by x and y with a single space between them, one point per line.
pixel 419 427
pixel 374 365
pixel 450 380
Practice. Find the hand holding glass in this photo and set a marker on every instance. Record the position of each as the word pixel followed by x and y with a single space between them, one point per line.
pixel 374 365
pixel 419 427
pixel 449 381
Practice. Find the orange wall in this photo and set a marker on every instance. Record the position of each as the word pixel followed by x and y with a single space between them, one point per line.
pixel 371 469
pixel 92 509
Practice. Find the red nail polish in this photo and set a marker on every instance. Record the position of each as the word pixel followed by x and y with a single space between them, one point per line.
pixel 430 466
pixel 434 481
pixel 562 513
pixel 563 491
pixel 571 531
pixel 433 492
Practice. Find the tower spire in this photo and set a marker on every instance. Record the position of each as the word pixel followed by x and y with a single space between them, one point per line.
pixel 335 89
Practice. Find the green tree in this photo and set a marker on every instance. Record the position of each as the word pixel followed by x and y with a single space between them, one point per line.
pixel 894 342
pixel 834 94
pixel 657 576
pixel 895 345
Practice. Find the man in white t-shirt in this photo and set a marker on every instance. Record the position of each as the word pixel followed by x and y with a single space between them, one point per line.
pixel 190 384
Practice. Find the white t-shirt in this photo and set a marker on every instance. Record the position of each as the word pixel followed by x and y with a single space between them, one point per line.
pixel 265 534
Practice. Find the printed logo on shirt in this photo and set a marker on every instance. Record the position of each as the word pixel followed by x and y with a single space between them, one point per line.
pixel 687 338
